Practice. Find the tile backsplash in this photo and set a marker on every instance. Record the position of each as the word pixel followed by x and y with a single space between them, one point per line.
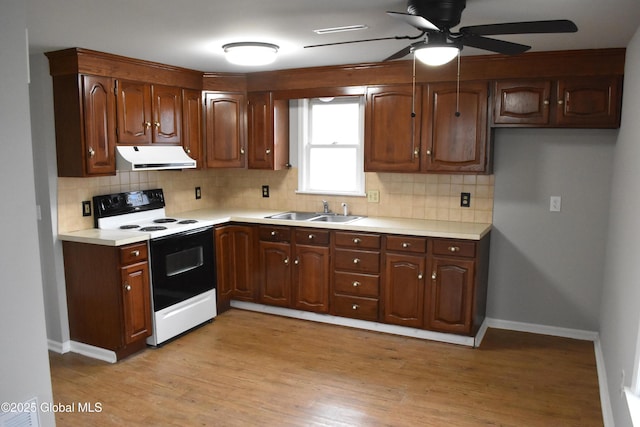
pixel 420 196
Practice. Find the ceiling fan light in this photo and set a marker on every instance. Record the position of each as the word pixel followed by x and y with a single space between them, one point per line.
pixel 436 55
pixel 250 53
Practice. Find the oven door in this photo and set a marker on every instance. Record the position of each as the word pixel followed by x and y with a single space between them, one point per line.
pixel 182 266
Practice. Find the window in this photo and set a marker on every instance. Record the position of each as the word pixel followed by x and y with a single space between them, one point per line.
pixel 331 158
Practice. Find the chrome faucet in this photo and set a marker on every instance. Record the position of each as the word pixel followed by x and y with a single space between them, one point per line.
pixel 325 206
pixel 345 209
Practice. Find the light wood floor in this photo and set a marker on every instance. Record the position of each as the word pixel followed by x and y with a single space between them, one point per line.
pixel 250 369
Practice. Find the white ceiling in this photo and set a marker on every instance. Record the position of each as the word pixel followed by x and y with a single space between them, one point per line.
pixel 190 33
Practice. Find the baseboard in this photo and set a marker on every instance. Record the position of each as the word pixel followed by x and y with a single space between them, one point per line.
pixel 605 397
pixel 93 352
pixel 533 328
pixel 59 347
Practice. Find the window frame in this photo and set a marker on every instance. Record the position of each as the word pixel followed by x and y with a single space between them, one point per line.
pixel 305 147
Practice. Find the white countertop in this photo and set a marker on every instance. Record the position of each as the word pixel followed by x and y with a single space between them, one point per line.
pixel 415 227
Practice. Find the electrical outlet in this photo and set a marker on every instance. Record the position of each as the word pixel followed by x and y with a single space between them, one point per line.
pixel 373 196
pixel 265 191
pixel 555 203
pixel 198 193
pixel 465 200
pixel 86 208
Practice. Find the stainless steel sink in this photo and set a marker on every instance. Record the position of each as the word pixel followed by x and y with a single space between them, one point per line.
pixel 295 216
pixel 336 218
pixel 314 216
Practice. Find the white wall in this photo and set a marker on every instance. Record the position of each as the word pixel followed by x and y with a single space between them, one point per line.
pixel 547 267
pixel 620 313
pixel 24 365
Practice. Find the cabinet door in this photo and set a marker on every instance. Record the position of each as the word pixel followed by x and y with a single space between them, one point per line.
pixel 192 124
pixel 225 267
pixel 522 102
pixel 404 289
pixel 455 127
pixel 392 131
pixel 99 124
pixel 588 102
pixel 450 296
pixel 134 113
pixel 268 131
pixel 234 256
pixel 167 114
pixel 311 278
pixel 136 301
pixel 275 273
pixel 225 124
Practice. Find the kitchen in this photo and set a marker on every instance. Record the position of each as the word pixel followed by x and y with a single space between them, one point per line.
pixel 578 301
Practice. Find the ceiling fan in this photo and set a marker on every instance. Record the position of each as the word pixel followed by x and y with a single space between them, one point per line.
pixel 438 45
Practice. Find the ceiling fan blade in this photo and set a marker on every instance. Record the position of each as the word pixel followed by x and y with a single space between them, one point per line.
pixel 358 41
pixel 531 27
pixel 400 54
pixel 498 46
pixel 415 21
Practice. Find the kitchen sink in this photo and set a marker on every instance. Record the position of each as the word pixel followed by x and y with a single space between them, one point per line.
pixel 315 217
pixel 336 218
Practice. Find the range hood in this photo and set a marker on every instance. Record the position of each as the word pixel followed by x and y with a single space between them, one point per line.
pixel 152 157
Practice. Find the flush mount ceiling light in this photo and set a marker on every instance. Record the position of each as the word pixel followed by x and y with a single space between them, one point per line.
pixel 436 54
pixel 250 53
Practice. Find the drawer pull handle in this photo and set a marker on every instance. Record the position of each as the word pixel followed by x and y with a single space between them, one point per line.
pixel 434 275
pixel 135 253
pixel 356 241
pixel 355 306
pixel 406 245
pixel 454 249
pixel 312 236
pixel 127 286
pixel 356 284
pixel 356 261
pixel 420 276
pixel 273 233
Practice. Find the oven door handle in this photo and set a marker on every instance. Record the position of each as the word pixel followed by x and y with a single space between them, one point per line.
pixel 184 233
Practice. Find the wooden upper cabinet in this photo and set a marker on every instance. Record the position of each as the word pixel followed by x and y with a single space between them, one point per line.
pixel 522 102
pixel 148 113
pixel 99 125
pixel 225 124
pixel 580 102
pixel 592 102
pixel 454 127
pixel 192 124
pixel 268 131
pixel 392 132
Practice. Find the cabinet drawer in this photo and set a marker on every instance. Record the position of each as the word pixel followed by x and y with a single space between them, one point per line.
pixel 357 240
pixel 356 284
pixel 357 261
pixel 275 234
pixel 131 254
pixel 454 247
pixel 355 307
pixel 310 236
pixel 407 244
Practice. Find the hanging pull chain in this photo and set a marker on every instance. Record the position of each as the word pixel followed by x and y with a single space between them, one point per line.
pixel 413 109
pixel 458 88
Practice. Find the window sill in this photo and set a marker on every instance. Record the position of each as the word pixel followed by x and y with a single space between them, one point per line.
pixel 633 401
pixel 328 193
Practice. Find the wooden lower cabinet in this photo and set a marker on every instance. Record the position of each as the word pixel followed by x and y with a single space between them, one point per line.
pixel 275 273
pixel 235 265
pixel 108 296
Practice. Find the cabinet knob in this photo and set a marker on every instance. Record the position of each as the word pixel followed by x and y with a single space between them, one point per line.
pixel 416 153
pixel 434 275
pixel 356 241
pixel 157 124
pixel 420 276
pixel 356 261
pixel 267 151
pixel 147 124
pixel 91 152
pixel 187 150
pixel 127 287
pixel 429 152
pixel 312 236
pixel 135 253
pixel 273 233
pixel 241 150
pixel 454 249
pixel 545 102
pixel 286 260
pixel 355 306
pixel 296 261
pixel 406 245
pixel 356 284
pixel 560 101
